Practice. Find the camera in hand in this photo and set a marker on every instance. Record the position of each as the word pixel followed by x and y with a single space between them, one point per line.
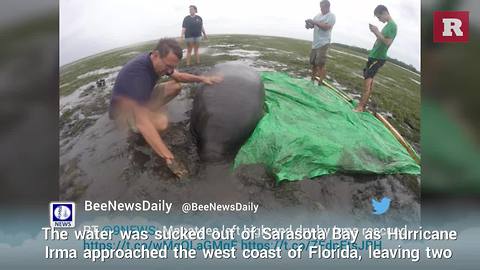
pixel 308 25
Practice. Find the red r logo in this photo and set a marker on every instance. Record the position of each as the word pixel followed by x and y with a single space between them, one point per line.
pixel 450 26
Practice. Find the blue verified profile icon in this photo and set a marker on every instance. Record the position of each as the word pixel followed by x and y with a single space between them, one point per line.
pixel 382 206
pixel 62 214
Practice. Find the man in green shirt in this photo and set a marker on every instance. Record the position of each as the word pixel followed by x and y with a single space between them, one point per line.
pixel 378 54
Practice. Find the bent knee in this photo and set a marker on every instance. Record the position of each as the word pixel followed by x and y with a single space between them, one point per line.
pixel 160 122
pixel 173 87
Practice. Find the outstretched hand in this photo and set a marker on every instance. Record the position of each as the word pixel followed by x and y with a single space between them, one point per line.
pixel 212 79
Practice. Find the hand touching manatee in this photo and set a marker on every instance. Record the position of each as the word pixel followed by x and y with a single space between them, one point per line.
pixel 210 80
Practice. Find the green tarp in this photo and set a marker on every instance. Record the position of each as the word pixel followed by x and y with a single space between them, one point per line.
pixel 309 130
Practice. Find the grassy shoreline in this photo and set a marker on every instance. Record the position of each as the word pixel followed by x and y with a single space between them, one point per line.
pixel 396 89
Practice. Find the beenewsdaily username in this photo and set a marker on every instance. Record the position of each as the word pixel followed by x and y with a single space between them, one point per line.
pixel 160 206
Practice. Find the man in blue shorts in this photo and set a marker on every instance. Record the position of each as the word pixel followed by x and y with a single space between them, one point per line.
pixel 138 101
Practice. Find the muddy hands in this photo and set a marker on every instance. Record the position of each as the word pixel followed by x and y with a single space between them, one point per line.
pixel 178 168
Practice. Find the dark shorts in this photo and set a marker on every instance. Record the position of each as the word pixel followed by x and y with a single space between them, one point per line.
pixel 193 40
pixel 318 56
pixel 372 66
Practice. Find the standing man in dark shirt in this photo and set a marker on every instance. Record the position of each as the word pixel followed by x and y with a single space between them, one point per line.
pixel 138 101
pixel 192 29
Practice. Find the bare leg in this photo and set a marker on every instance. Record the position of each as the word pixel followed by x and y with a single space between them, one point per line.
pixel 163 93
pixel 195 50
pixel 314 73
pixel 149 130
pixel 159 120
pixel 318 73
pixel 368 84
pixel 321 72
pixel 189 52
pixel 172 89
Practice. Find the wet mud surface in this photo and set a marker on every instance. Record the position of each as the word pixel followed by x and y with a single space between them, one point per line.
pixel 99 162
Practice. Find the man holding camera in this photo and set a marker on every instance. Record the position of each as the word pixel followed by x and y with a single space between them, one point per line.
pixel 322 25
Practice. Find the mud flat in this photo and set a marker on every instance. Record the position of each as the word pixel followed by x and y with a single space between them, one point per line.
pixel 100 163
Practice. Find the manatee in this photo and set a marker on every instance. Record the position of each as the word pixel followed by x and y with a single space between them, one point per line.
pixel 224 115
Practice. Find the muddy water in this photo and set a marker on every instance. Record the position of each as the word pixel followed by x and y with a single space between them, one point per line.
pixel 99 162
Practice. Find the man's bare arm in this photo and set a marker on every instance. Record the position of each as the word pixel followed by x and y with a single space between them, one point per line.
pixel 378 34
pixel 145 126
pixel 321 25
pixel 150 133
pixel 386 41
pixel 186 77
pixel 182 35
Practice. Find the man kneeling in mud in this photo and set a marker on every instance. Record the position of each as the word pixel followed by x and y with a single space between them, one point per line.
pixel 138 101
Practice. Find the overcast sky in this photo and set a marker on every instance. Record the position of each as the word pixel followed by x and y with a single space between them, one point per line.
pixel 91 26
